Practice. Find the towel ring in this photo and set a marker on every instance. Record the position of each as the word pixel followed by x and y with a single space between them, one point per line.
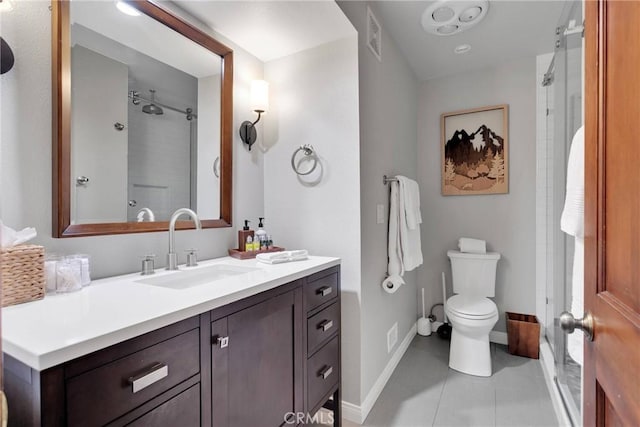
pixel 308 151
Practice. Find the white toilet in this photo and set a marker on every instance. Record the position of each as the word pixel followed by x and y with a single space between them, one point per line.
pixel 471 313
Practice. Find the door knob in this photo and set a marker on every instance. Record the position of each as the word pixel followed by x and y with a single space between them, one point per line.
pixel 568 324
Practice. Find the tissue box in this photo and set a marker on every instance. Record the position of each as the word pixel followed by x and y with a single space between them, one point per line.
pixel 22 274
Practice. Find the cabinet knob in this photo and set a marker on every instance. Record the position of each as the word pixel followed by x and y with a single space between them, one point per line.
pixel 223 342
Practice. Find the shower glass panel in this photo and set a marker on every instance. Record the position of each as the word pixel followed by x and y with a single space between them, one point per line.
pixel 564 118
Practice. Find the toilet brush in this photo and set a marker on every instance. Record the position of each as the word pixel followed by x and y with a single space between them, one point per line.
pixel 424 323
pixel 444 331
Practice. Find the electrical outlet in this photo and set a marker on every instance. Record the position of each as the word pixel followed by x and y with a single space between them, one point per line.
pixel 380 214
pixel 392 337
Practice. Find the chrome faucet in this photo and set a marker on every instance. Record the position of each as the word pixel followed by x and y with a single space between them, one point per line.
pixel 172 257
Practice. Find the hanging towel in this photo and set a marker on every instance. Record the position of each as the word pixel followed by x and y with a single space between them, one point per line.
pixel 410 198
pixel 394 269
pixel 572 223
pixel 572 220
pixel 576 339
pixel 410 219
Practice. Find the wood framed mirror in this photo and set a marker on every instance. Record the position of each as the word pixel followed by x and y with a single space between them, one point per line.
pixel 142 120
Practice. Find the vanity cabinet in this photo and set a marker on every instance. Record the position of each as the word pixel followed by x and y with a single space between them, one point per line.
pixel 147 380
pixel 264 361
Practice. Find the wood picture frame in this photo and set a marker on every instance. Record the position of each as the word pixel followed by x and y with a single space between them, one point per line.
pixel 474 147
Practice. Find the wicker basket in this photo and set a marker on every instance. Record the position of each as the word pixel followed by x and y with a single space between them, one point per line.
pixel 22 274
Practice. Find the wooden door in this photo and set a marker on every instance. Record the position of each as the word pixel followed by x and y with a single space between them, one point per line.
pixel 612 212
pixel 257 375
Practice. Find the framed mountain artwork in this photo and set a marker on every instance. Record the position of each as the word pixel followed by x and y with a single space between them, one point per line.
pixel 475 151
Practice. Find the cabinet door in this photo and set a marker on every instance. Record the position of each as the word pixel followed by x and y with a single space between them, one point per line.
pixel 263 359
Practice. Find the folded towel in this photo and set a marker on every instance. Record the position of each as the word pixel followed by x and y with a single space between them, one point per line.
pixel 409 223
pixel 472 246
pixel 282 257
pixel 572 220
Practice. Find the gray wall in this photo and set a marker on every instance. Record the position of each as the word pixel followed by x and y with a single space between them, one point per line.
pixel 388 135
pixel 314 100
pixel 25 154
pixel 506 222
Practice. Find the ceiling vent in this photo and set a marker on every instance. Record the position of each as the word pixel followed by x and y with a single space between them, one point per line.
pixel 448 17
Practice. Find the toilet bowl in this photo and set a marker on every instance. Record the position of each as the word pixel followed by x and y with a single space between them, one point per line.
pixel 471 313
pixel 472 318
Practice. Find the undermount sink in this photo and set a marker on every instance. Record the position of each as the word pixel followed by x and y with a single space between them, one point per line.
pixel 188 278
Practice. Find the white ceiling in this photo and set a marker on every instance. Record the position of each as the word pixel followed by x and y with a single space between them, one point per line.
pixel 510 30
pixel 273 29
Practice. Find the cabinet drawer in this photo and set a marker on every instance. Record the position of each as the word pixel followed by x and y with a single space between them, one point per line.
pixel 105 393
pixel 323 372
pixel 321 290
pixel 182 410
pixel 322 326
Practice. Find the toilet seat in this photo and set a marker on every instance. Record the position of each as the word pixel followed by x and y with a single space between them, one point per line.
pixel 472 307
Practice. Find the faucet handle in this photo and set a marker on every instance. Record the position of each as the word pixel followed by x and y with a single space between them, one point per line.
pixel 192 258
pixel 148 264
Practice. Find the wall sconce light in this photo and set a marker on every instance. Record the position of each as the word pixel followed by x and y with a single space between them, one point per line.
pixel 260 104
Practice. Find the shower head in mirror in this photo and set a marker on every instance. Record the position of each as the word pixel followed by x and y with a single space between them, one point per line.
pixel 152 108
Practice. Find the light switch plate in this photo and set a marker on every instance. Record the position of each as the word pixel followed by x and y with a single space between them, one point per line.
pixel 380 214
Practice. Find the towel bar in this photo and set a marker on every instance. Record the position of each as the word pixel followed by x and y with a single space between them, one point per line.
pixel 386 179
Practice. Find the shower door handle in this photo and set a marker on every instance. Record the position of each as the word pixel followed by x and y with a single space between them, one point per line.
pixel 568 324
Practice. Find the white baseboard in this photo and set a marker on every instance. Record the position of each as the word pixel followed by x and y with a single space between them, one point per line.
pixel 358 414
pixel 498 337
pixel 547 363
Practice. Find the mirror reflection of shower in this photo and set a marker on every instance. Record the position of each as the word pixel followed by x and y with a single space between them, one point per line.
pixel 154 107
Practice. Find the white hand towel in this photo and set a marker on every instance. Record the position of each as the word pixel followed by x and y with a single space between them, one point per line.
pixel 472 246
pixel 572 221
pixel 409 206
pixel 410 194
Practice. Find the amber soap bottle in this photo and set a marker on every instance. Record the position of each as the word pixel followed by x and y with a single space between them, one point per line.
pixel 242 236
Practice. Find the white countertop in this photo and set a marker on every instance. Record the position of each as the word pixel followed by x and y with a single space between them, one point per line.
pixel 62 327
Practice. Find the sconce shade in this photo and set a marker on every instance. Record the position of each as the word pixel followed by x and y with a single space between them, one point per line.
pixel 259 100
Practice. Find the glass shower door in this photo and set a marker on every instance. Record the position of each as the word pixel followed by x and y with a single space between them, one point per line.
pixel 564 97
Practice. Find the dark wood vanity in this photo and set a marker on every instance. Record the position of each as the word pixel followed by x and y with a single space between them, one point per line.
pixel 256 362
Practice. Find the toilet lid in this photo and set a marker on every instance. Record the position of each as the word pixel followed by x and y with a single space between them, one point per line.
pixel 476 307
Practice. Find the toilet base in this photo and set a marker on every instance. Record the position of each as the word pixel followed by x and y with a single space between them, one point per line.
pixel 470 355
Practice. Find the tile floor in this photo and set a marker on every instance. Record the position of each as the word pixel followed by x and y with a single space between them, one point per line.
pixel 423 391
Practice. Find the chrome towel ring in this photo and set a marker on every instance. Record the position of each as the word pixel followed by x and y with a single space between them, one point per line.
pixel 307 151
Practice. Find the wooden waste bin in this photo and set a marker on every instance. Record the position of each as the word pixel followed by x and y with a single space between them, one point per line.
pixel 523 335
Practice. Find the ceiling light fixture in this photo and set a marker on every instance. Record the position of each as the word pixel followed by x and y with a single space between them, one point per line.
pixel 127 9
pixel 463 48
pixel 448 17
pixel 6 5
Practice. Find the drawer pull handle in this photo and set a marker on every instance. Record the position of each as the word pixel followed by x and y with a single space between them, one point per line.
pixel 324 291
pixel 153 375
pixel 223 342
pixel 325 325
pixel 325 372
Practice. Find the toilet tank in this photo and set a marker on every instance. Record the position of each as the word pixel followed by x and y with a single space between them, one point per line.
pixel 474 274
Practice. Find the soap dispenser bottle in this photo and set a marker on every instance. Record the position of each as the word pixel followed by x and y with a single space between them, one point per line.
pixel 242 236
pixel 261 235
